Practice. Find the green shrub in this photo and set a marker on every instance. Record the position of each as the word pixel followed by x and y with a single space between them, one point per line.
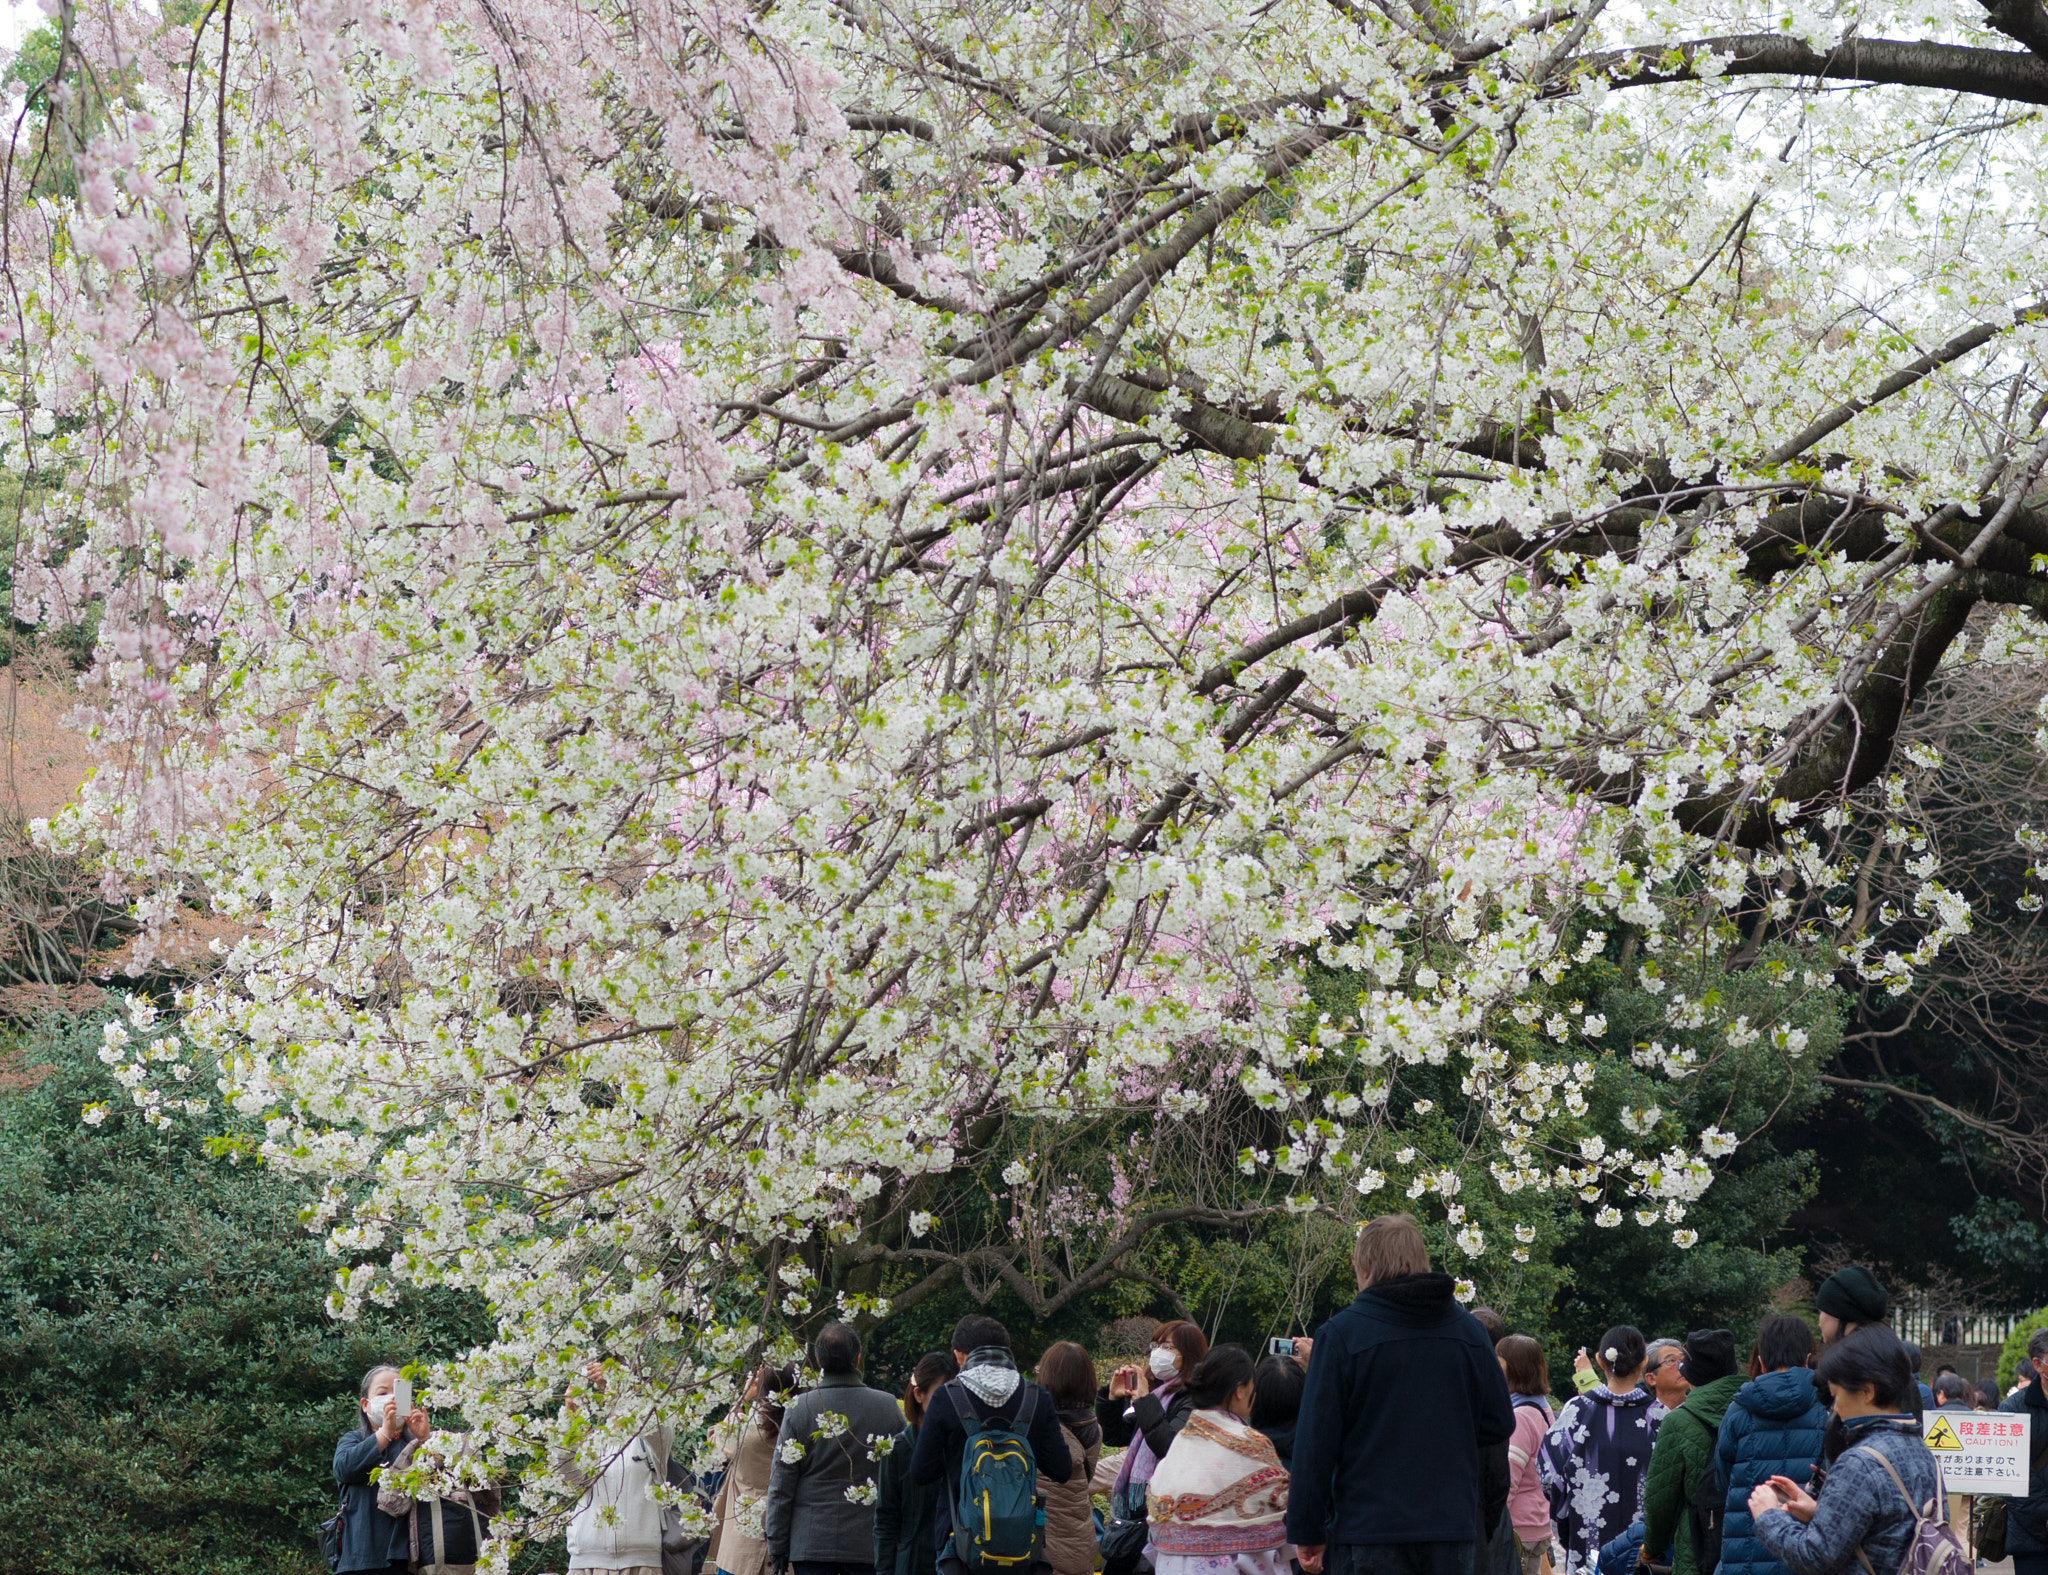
pixel 2016 1346
pixel 170 1386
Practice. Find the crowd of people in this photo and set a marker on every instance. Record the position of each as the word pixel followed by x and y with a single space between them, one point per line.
pixel 1409 1436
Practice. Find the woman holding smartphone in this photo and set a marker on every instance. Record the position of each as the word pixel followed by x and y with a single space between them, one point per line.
pixel 371 1539
pixel 1877 1466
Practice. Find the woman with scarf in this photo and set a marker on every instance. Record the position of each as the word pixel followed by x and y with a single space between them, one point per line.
pixel 1067 1374
pixel 1878 1472
pixel 1597 1453
pixel 1144 1408
pixel 1218 1500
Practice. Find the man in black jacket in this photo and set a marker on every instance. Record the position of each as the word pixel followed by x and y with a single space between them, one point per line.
pixel 1404 1397
pixel 988 1374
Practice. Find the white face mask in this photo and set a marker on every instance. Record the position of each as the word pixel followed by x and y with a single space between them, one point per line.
pixel 376 1408
pixel 1164 1362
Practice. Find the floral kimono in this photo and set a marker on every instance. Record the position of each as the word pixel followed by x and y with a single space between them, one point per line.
pixel 1593 1461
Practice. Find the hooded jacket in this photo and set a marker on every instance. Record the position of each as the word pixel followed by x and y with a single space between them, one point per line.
pixel 1594 1460
pixel 1069 1514
pixel 1684 1453
pixel 2026 1519
pixel 1773 1428
pixel 1402 1374
pixel 617 1525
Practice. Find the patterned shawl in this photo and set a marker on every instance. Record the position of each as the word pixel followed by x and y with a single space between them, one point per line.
pixel 1220 1489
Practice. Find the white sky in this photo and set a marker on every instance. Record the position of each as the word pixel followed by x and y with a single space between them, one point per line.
pixel 16 18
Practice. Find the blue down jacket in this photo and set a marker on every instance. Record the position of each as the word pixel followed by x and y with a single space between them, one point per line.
pixel 1773 1427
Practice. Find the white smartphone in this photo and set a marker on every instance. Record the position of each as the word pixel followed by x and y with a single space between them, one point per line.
pixel 401 1395
pixel 1281 1345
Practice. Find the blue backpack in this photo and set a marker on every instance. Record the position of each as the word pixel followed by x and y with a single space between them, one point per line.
pixel 997 1518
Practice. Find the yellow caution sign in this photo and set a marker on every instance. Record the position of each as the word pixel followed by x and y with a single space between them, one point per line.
pixel 1940 1435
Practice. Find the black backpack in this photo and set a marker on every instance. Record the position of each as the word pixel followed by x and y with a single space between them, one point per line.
pixel 1706 1509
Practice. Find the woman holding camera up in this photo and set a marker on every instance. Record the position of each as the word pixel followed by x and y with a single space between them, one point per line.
pixel 371 1539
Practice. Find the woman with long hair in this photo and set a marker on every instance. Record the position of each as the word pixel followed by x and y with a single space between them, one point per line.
pixel 1597 1453
pixel 1067 1374
pixel 747 1439
pixel 905 1542
pixel 1146 1406
pixel 1879 1474
pixel 1218 1501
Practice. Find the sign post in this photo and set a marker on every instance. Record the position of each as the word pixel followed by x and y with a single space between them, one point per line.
pixel 1978 1452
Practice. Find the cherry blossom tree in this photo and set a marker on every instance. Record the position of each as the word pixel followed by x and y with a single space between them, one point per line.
pixel 743 597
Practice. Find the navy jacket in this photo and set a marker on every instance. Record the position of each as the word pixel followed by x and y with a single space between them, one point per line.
pixel 1773 1428
pixel 2026 1519
pixel 1402 1374
pixel 942 1441
pixel 370 1539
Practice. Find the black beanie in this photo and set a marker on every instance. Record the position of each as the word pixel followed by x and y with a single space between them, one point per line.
pixel 1852 1295
pixel 1709 1354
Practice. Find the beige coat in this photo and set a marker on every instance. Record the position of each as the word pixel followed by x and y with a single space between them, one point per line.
pixel 737 1546
pixel 1069 1520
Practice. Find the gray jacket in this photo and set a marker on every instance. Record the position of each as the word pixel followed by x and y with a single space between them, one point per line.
pixel 1859 1506
pixel 808 1515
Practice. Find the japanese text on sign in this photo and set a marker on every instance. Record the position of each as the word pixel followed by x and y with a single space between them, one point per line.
pixel 1979 1452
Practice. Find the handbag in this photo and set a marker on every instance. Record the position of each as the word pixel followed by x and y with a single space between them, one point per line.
pixel 329 1532
pixel 1123 1540
pixel 454 1548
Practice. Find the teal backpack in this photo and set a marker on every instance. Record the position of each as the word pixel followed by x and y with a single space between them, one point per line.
pixel 997 1518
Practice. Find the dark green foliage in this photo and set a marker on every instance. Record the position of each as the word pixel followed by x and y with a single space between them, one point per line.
pixel 170 1386
pixel 1630 1273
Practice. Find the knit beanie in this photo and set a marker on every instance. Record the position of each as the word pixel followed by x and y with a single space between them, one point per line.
pixel 1709 1354
pixel 1852 1295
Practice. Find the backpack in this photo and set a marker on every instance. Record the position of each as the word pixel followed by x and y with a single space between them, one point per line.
pixel 997 1519
pixel 1706 1509
pixel 1934 1549
pixel 1988 1513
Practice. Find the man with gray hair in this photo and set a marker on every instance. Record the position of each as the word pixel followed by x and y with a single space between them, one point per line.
pixel 2026 1519
pixel 1661 1372
pixel 820 1514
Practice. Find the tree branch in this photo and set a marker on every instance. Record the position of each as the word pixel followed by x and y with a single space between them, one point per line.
pixel 1988 73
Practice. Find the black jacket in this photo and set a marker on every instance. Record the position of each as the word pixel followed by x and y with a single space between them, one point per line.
pixel 370 1539
pixel 2026 1519
pixel 943 1440
pixel 1402 1374
pixel 904 1544
pixel 1159 1422
pixel 1281 1436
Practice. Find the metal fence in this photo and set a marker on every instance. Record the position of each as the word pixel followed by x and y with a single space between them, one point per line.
pixel 1932 1326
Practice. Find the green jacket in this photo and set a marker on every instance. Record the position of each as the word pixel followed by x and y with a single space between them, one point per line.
pixel 1684 1449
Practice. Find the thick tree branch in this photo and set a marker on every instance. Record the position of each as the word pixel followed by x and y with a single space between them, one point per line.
pixel 1987 73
